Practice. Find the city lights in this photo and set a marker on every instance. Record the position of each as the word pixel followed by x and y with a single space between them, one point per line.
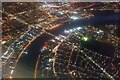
pixel 60 39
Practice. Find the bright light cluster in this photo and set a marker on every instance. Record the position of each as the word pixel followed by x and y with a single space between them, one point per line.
pixel 74 17
pixel 72 30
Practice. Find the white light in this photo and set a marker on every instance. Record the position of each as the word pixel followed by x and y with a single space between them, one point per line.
pixel 71 30
pixel 79 28
pixel 26 52
pixel 84 10
pixel 50 60
pixel 75 12
pixel 44 6
pixel 66 31
pixel 57 38
pixel 100 31
pixel 42 49
pixel 91 9
pixel 12 71
pixel 74 17
pixel 61 13
pixel 53 40
pixel 62 36
pixel 6 53
pixel 4 57
pixel 3 42
pixel 74 73
pixel 47 68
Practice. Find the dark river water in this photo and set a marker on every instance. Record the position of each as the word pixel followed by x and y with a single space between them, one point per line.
pixel 26 64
